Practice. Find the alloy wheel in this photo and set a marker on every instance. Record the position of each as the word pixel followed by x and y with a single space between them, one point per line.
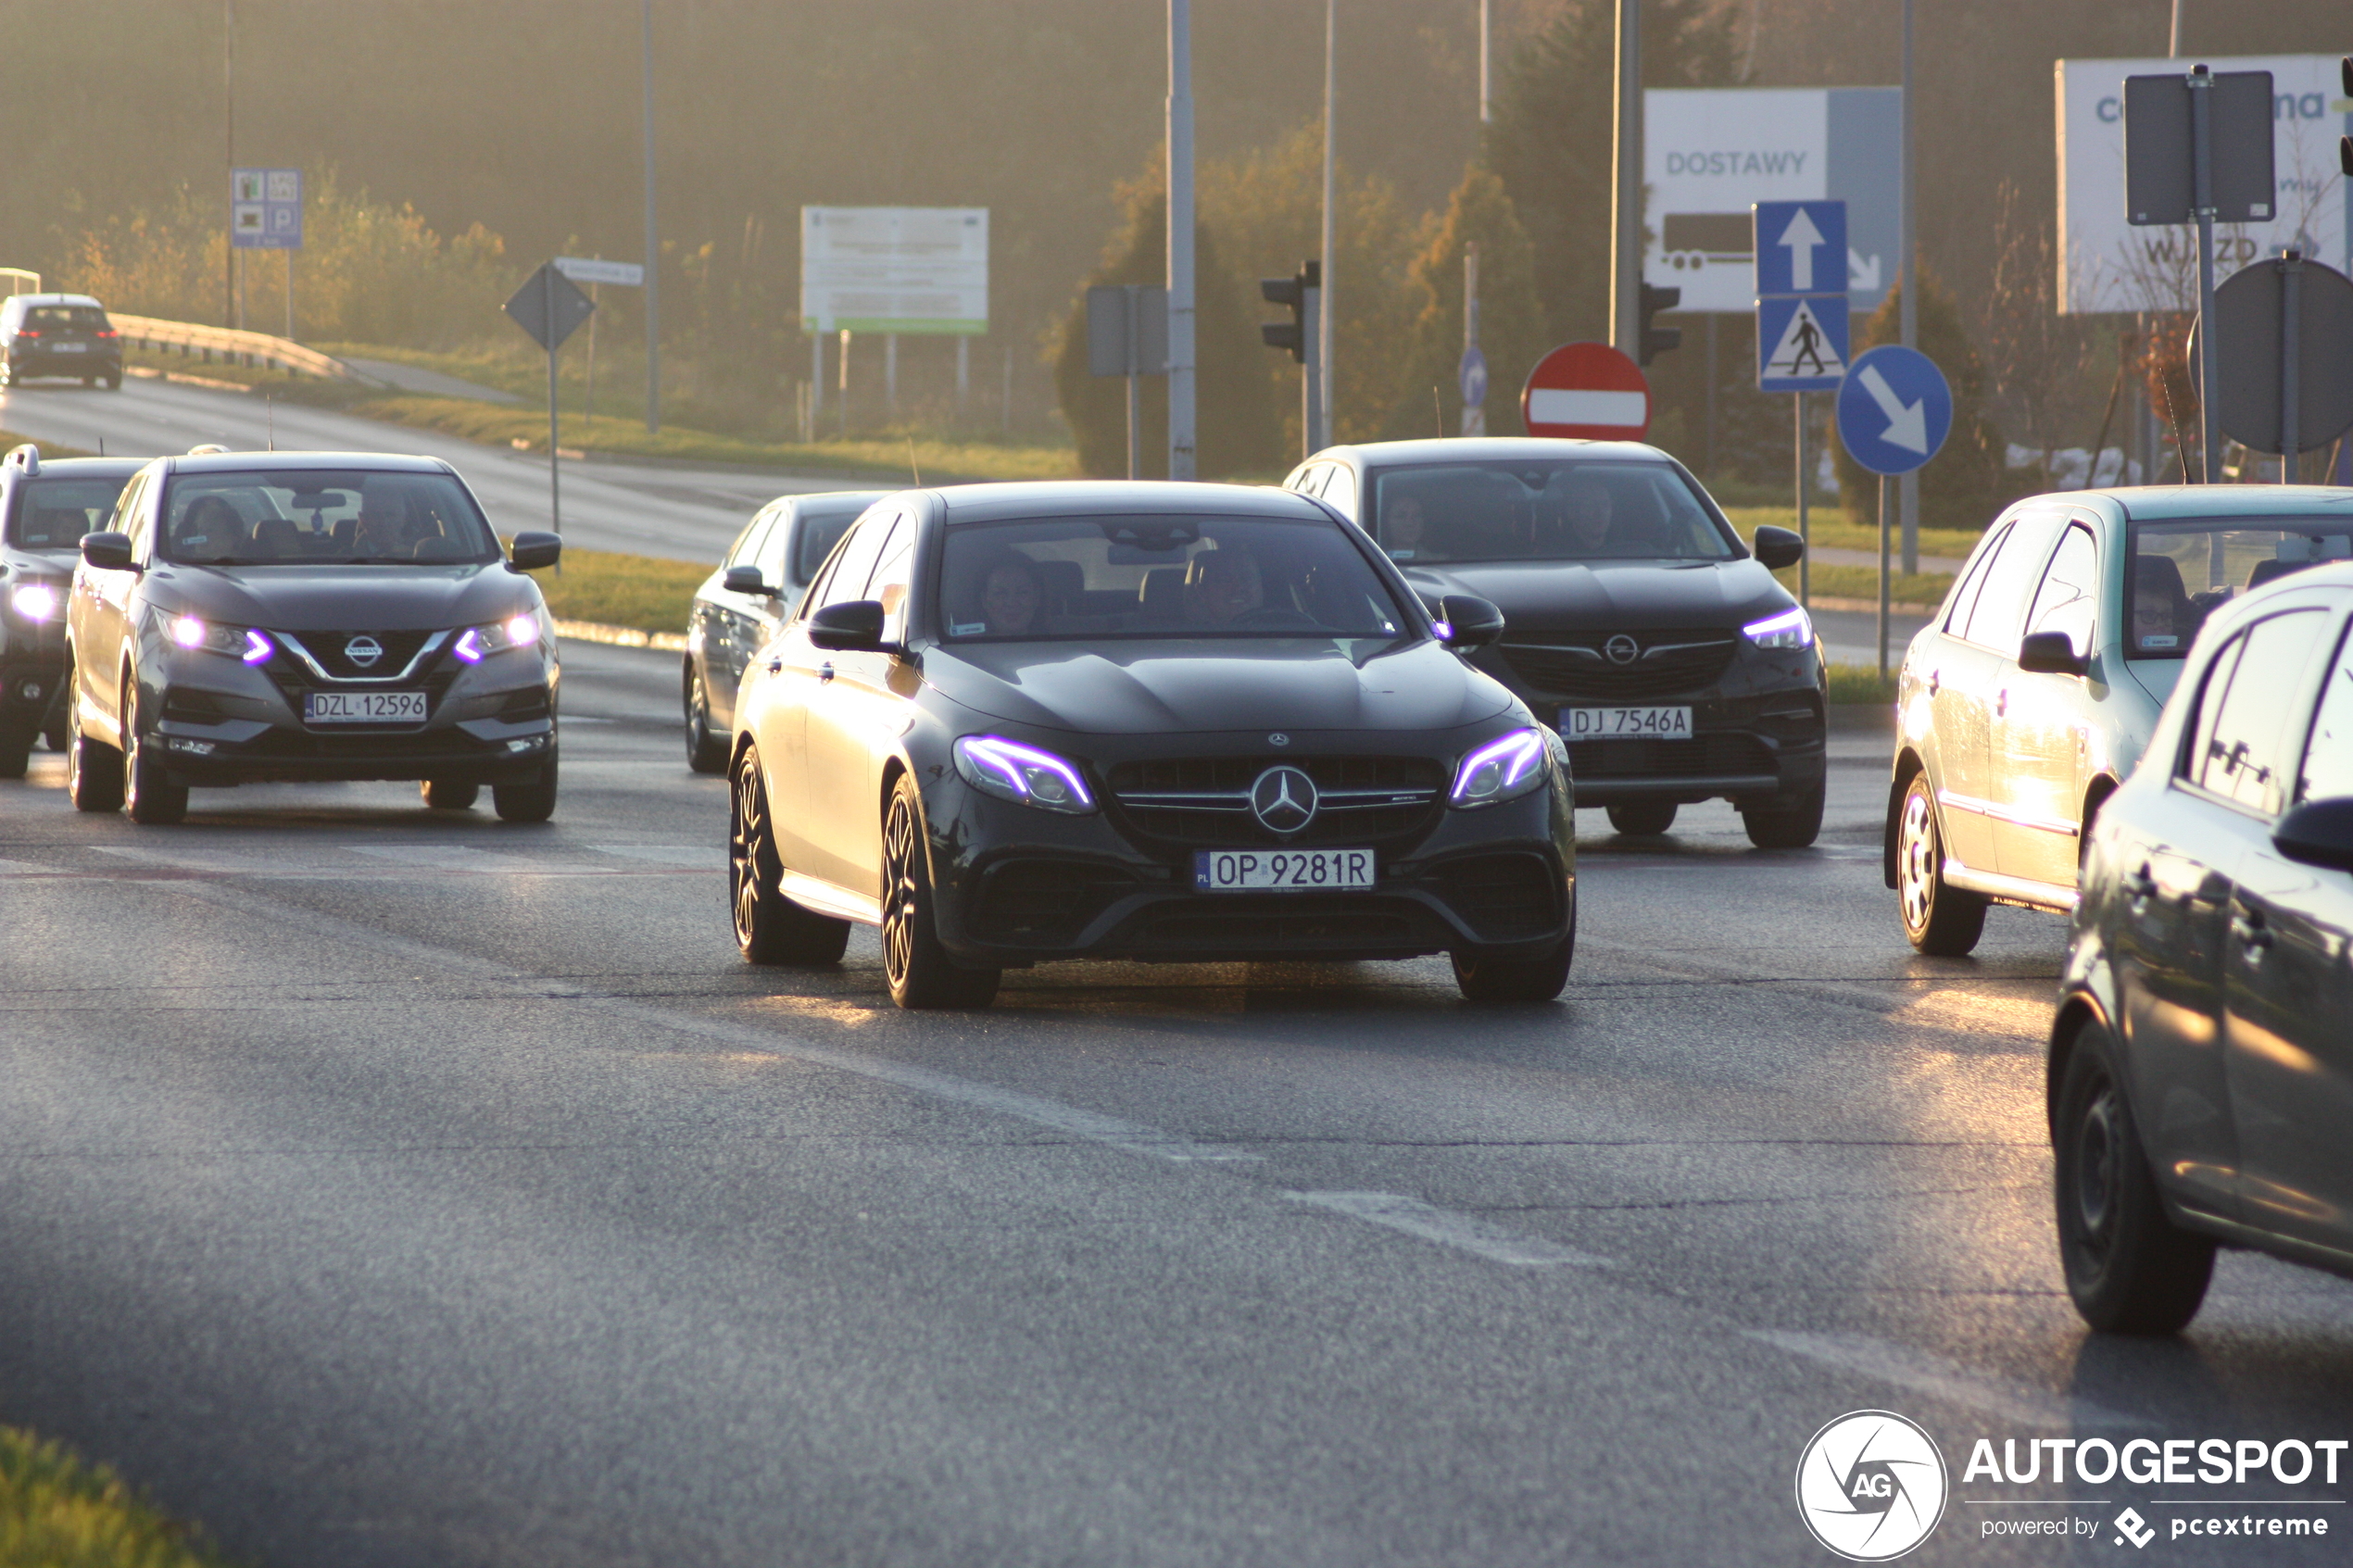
pixel 900 903
pixel 1916 862
pixel 747 846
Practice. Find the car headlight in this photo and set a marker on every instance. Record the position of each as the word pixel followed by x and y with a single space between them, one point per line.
pixel 1501 769
pixel 244 643
pixel 1011 771
pixel 478 642
pixel 35 601
pixel 1791 629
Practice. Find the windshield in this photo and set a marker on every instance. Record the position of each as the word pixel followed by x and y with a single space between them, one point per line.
pixel 64 317
pixel 1545 509
pixel 269 518
pixel 2183 570
pixel 1161 577
pixel 54 514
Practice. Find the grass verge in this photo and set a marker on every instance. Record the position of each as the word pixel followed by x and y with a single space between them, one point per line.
pixel 10 441
pixel 1860 683
pixel 620 590
pixel 1829 527
pixel 1862 582
pixel 57 1511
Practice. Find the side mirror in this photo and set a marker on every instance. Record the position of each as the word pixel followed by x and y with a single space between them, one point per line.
pixel 107 551
pixel 531 551
pixel 853 627
pixel 2051 653
pixel 1469 622
pixel 2319 833
pixel 746 580
pixel 1777 547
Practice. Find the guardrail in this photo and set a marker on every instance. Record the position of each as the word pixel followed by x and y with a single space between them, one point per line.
pixel 258 350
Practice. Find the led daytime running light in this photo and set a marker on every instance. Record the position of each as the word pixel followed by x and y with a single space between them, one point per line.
pixel 258 647
pixel 1791 629
pixel 1011 771
pixel 188 632
pixel 1501 769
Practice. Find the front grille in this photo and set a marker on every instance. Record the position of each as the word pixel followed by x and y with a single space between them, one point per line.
pixel 1514 898
pixel 1042 903
pixel 1287 925
pixel 1205 800
pixel 1703 754
pixel 290 677
pixel 1576 665
pixel 328 647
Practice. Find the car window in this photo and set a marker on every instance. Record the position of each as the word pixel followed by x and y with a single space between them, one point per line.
pixel 2327 773
pixel 60 318
pixel 1965 597
pixel 2184 567
pixel 132 514
pixel 1544 508
pixel 2069 590
pixel 747 545
pixel 820 526
pixel 2009 581
pixel 53 514
pixel 888 584
pixel 1339 490
pixel 856 562
pixel 2243 756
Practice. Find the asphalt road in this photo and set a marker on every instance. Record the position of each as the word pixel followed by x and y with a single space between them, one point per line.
pixel 383 1188
pixel 686 514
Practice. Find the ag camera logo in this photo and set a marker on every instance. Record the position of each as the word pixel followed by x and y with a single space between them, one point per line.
pixel 1871 1486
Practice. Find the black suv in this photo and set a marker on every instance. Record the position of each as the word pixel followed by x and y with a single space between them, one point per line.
pixel 58 334
pixel 44 510
pixel 1676 669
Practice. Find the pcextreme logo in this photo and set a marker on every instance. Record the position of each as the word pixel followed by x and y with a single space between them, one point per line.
pixel 1871 1486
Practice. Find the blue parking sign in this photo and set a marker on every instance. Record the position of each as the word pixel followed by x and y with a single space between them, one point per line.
pixel 265 208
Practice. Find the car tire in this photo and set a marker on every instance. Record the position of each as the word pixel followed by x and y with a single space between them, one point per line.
pixel 448 795
pixel 16 749
pixel 93 774
pixel 1643 817
pixel 1939 920
pixel 918 968
pixel 2129 1268
pixel 533 802
pixel 1787 822
pixel 706 752
pixel 114 381
pixel 1517 980
pixel 770 928
pixel 151 796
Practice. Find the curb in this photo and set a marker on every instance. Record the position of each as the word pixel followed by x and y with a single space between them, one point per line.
pixel 621 636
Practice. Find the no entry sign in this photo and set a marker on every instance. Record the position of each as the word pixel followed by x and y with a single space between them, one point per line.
pixel 1586 391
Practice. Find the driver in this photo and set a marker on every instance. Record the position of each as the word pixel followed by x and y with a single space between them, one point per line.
pixel 1222 586
pixel 387 525
pixel 1403 526
pixel 1009 598
pixel 1587 506
pixel 209 526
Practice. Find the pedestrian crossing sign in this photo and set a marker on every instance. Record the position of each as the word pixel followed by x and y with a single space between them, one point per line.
pixel 1801 343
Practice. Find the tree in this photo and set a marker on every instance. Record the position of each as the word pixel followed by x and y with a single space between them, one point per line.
pixel 1967 482
pixel 1236 428
pixel 1511 319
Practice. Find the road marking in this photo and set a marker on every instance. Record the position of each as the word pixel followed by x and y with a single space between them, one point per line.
pixel 1941 1379
pixel 708 857
pixel 1466 1231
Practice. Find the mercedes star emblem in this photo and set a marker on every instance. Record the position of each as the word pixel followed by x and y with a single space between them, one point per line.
pixel 1278 738
pixel 1283 799
pixel 1622 649
pixel 363 651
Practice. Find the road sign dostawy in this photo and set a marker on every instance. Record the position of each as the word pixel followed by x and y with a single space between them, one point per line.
pixel 1801 343
pixel 549 306
pixel 2266 314
pixel 582 270
pixel 1895 409
pixel 1586 391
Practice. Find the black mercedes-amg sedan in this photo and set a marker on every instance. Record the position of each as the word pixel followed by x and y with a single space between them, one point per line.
pixel 1678 670
pixel 1011 724
pixel 251 616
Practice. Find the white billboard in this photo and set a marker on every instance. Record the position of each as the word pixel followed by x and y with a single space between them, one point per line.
pixel 2105 264
pixel 894 269
pixel 1708 153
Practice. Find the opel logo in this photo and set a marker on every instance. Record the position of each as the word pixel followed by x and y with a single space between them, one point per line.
pixel 1622 649
pixel 363 651
pixel 1283 800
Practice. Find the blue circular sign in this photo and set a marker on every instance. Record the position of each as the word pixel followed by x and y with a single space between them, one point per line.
pixel 1473 377
pixel 1894 409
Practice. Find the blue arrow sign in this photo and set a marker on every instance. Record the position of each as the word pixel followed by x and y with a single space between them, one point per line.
pixel 1894 409
pixel 1801 343
pixel 1473 377
pixel 1801 248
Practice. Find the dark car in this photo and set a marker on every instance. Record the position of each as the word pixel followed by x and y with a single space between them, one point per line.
pixel 2200 1077
pixel 58 334
pixel 1676 667
pixel 747 597
pixel 258 616
pixel 44 510
pixel 1017 722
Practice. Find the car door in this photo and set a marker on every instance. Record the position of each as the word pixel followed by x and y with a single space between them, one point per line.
pixel 796 673
pixel 2040 727
pixel 1965 666
pixel 730 631
pixel 106 602
pixel 2288 982
pixel 854 721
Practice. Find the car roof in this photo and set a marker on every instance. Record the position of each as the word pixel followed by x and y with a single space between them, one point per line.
pixel 85 468
pixel 59 299
pixel 1143 498
pixel 863 497
pixel 1489 449
pixel 2150 503
pixel 239 462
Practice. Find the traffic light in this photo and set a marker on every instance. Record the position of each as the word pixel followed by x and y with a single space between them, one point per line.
pixel 1656 341
pixel 1291 292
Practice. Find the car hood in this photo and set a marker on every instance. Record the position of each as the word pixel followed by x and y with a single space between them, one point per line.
pixel 1573 596
pixel 328 597
pixel 1276 683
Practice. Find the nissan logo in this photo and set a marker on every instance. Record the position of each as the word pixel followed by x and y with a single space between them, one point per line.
pixel 363 651
pixel 1622 649
pixel 1283 800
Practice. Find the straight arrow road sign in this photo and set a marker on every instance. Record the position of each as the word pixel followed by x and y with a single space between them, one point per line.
pixel 1801 248
pixel 1800 239
pixel 1895 409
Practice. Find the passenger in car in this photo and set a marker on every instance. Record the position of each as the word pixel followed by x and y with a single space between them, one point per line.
pixel 2163 616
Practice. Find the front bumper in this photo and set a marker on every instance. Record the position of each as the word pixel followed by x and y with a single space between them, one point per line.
pixel 33 664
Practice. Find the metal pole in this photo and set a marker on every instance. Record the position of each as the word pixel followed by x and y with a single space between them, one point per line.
pixel 890 374
pixel 1180 241
pixel 229 148
pixel 963 372
pixel 1711 397
pixel 2291 370
pixel 1474 414
pixel 1886 488
pixel 289 255
pixel 2209 360
pixel 2173 35
pixel 844 387
pixel 1486 81
pixel 1908 304
pixel 816 378
pixel 1129 295
pixel 1626 186
pixel 555 496
pixel 1805 561
pixel 653 250
pixel 588 400
pixel 1322 323
pixel 1315 413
